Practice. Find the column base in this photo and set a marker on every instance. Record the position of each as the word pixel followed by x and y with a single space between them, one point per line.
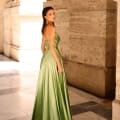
pixel 116 110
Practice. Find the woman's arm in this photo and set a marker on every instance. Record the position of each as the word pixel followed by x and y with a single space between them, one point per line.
pixel 53 49
pixel 43 44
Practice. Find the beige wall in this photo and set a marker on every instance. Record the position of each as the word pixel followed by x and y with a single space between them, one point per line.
pixel 87 31
pixel 2 3
pixel 116 103
pixel 22 35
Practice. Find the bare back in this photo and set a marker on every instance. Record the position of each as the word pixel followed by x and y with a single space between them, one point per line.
pixel 49 33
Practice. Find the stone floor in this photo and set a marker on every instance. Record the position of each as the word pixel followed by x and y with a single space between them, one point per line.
pixel 17 91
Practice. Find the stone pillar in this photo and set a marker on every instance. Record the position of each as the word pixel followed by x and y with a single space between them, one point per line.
pixel 22 30
pixel 2 3
pixel 11 28
pixel 1 31
pixel 116 102
pixel 88 44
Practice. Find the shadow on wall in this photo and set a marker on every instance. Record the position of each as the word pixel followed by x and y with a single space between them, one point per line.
pixel 22 30
pixel 111 34
pixel 91 62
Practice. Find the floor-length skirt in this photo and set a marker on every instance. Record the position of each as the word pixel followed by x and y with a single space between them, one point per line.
pixel 52 99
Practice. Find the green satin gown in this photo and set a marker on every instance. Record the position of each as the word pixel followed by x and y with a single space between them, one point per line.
pixel 52 99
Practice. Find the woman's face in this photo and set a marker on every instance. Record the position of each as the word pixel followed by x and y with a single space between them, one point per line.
pixel 50 16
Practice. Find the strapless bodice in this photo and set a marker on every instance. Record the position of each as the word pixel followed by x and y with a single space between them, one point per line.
pixel 56 42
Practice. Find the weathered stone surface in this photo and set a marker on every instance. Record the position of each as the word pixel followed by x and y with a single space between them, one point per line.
pixel 1 32
pixel 7 32
pixel 96 80
pixel 93 4
pixel 87 31
pixel 12 3
pixel 116 102
pixel 116 110
pixel 22 34
pixel 2 2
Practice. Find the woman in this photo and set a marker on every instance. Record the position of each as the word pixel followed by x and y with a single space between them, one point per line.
pixel 52 100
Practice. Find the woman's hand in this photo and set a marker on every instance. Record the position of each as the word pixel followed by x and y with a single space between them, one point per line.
pixel 60 69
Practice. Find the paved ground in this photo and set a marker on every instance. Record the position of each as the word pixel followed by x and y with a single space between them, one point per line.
pixel 17 90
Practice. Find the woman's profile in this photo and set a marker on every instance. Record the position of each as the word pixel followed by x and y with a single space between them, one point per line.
pixel 52 99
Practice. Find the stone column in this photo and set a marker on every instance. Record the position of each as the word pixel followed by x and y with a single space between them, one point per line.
pixel 87 31
pixel 1 31
pixel 2 2
pixel 11 28
pixel 116 102
pixel 22 30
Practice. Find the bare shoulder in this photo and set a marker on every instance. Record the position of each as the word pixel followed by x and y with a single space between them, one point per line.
pixel 49 32
pixel 50 27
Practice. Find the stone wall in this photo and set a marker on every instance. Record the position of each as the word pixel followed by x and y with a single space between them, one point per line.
pixel 88 46
pixel 88 42
pixel 11 29
pixel 22 34
pixel 116 102
pixel 1 32
pixel 1 25
pixel 11 32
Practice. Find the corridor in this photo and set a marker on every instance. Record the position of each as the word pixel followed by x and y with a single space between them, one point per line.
pixel 17 91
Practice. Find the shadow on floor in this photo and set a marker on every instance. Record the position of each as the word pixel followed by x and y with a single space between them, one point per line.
pixel 92 107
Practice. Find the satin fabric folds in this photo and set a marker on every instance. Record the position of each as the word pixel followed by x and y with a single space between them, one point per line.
pixel 52 99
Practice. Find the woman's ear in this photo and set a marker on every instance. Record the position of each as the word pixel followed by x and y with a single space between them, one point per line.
pixel 45 17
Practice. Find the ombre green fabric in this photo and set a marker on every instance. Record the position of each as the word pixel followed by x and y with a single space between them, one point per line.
pixel 52 99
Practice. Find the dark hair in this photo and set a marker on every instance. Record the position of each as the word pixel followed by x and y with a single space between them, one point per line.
pixel 44 12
